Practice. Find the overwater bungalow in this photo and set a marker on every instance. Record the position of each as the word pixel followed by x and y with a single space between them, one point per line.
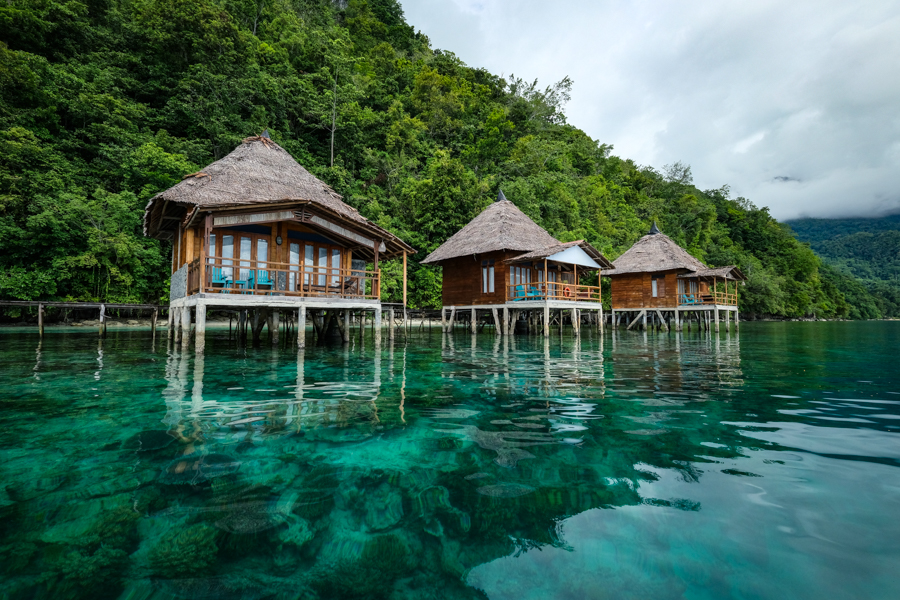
pixel 502 260
pixel 657 278
pixel 255 231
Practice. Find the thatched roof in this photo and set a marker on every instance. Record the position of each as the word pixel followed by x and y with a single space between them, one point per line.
pixel 652 253
pixel 500 226
pixel 555 249
pixel 729 272
pixel 259 171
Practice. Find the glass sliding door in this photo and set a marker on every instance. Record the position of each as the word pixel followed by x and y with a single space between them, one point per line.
pixel 246 255
pixel 308 264
pixel 227 255
pixel 294 259
pixel 335 266
pixel 321 265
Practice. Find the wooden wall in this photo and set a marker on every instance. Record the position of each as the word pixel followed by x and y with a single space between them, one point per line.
pixel 635 290
pixel 462 280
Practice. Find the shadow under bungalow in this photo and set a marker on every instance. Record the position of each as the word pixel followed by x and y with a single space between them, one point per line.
pixel 257 233
pixel 503 262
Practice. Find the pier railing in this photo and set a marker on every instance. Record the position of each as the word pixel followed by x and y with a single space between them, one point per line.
pixel 552 291
pixel 267 278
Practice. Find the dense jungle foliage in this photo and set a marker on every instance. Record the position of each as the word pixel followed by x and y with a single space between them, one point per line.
pixel 864 249
pixel 103 103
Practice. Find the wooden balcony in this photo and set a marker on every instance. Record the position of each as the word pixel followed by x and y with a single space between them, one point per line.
pixel 249 277
pixel 556 291
pixel 720 298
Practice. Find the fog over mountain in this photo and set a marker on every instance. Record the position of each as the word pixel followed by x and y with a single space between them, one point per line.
pixel 794 105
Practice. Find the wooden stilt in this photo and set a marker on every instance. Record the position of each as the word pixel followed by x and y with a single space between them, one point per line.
pixel 346 327
pixel 41 320
pixel 443 319
pixel 276 326
pixel 716 314
pixel 505 320
pixel 200 330
pixel 301 327
pixel 153 318
pixel 662 321
pixel 185 325
pixel 376 325
pixel 390 317
pixel 496 322
pixel 546 313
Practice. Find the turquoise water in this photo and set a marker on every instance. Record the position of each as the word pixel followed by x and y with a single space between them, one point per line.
pixel 765 465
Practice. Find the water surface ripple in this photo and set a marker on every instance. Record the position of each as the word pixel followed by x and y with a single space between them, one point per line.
pixel 630 465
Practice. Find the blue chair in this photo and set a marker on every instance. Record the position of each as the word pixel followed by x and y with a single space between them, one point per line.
pixel 519 293
pixel 219 278
pixel 262 280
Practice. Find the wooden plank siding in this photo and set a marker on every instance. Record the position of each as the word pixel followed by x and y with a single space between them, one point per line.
pixel 462 281
pixel 635 290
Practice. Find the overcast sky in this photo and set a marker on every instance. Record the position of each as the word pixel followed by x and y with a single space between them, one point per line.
pixel 795 104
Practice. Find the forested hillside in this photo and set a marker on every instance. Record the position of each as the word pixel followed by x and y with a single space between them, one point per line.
pixel 103 103
pixel 866 249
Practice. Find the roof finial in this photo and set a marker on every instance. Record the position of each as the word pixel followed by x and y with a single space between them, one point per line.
pixel 265 134
pixel 654 230
pixel 500 196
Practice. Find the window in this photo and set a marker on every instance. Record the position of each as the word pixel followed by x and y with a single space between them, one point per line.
pixel 658 286
pixel 487 277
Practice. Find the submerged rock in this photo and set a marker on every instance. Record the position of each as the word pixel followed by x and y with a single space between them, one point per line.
pixel 505 490
pixel 145 441
pixel 193 469
pixel 188 551
pixel 384 508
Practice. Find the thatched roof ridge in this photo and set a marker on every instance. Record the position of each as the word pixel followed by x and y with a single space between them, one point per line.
pixel 729 272
pixel 652 253
pixel 259 171
pixel 551 250
pixel 500 226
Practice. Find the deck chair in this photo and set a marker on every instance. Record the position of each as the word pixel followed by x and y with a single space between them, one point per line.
pixel 262 279
pixel 219 279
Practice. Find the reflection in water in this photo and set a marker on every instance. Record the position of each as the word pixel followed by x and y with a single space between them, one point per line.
pixel 639 465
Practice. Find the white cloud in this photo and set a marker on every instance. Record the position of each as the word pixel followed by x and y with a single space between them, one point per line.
pixel 745 92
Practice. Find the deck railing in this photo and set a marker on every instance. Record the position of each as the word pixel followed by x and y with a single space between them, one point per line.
pixel 552 291
pixel 724 298
pixel 267 278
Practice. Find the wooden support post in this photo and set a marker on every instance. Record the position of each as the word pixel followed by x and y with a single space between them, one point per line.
pixel 452 318
pixel 636 319
pixel 346 326
pixel 662 321
pixel 546 312
pixel 496 322
pixel 716 314
pixel 644 321
pixel 362 324
pixel 404 288
pixel 200 331
pixel 576 322
pixel 185 325
pixel 41 320
pixel 275 319
pixel 376 325
pixel 727 317
pixel 505 320
pixel 103 320
pixel 473 323
pixel 390 324
pixel 301 327
pixel 736 319
pixel 153 318
pixel 443 319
